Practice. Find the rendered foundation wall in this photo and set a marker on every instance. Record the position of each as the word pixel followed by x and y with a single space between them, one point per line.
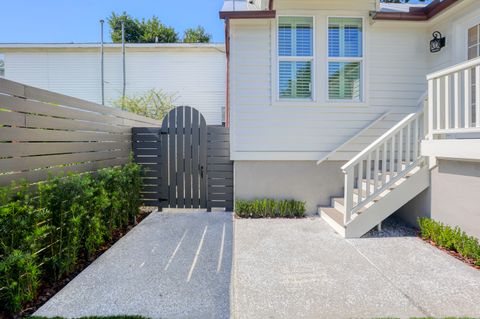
pixel 299 180
pixel 453 198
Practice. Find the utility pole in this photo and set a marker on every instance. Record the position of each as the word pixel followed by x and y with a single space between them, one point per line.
pixel 124 67
pixel 102 62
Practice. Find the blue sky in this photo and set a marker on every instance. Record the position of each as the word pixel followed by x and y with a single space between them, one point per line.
pixel 77 20
pixel 41 21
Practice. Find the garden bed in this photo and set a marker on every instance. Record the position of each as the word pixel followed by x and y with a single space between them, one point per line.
pixel 50 235
pixel 47 291
pixel 451 240
pixel 269 208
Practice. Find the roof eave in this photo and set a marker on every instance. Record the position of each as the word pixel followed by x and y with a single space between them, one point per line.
pixel 264 14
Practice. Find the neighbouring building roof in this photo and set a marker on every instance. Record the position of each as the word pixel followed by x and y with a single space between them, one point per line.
pixel 240 5
pixel 399 7
pixel 253 9
pixel 412 12
pixel 111 45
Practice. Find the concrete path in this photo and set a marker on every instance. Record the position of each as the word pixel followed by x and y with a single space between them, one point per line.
pixel 180 266
pixel 169 266
pixel 302 269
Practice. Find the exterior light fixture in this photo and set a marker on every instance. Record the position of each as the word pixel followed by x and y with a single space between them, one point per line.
pixel 437 43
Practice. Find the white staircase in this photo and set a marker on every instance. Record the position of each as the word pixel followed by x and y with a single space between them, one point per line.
pixel 381 179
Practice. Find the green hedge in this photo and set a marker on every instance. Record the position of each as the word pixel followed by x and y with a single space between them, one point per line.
pixel 450 238
pixel 43 235
pixel 269 208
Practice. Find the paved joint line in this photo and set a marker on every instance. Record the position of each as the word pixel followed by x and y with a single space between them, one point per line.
pixel 420 308
pixel 190 273
pixel 176 250
pixel 220 257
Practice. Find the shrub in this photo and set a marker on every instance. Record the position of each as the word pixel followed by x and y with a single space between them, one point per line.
pixel 154 104
pixel 450 238
pixel 68 218
pixel 269 208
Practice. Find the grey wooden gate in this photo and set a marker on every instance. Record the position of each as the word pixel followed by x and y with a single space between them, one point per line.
pixel 186 163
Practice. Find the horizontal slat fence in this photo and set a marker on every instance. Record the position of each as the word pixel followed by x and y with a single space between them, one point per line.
pixel 147 149
pixel 44 133
pixel 219 169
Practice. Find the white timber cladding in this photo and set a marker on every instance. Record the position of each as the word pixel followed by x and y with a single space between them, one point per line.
pixel 263 128
pixel 453 25
pixel 196 76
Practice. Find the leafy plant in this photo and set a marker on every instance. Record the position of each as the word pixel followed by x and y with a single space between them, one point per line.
pixel 67 218
pixel 269 208
pixel 450 238
pixel 154 104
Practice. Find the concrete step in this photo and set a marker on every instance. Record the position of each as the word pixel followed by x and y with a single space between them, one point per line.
pixel 334 218
pixel 339 204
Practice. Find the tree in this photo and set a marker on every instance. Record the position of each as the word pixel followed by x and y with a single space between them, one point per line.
pixel 197 35
pixel 153 30
pixel 154 104
pixel 133 30
pixel 145 31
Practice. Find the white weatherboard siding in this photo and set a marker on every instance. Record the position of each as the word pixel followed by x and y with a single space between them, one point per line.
pixel 454 26
pixel 196 76
pixel 266 129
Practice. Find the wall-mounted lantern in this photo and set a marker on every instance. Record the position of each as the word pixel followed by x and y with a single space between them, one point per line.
pixel 437 43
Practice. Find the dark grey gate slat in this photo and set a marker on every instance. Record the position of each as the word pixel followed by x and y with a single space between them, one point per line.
pixel 172 198
pixel 164 193
pixel 180 159
pixel 203 162
pixel 187 163
pixel 195 160
pixel 188 157
pixel 220 169
pixel 146 149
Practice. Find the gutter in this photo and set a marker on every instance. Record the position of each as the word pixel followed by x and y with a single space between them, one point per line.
pixel 264 14
pixel 415 14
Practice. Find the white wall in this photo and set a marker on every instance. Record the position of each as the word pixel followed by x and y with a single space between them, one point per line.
pixel 196 76
pixel 454 26
pixel 265 129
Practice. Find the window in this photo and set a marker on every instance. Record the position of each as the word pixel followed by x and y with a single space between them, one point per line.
pixel 474 42
pixel 2 65
pixel 295 57
pixel 473 52
pixel 345 59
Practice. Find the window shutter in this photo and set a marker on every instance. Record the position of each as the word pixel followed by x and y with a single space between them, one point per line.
pixel 344 81
pixel 295 42
pixel 345 53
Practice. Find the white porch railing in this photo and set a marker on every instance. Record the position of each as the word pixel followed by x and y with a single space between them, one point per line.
pixel 454 100
pixel 387 160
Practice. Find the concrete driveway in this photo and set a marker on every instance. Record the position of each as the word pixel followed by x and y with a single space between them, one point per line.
pixel 302 269
pixel 180 266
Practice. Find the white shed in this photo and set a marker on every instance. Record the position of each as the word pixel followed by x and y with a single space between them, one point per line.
pixel 194 73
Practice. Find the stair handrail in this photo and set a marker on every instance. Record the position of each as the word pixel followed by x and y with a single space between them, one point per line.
pixel 384 176
pixel 381 139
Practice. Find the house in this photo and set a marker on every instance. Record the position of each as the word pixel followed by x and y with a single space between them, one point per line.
pixel 358 108
pixel 193 73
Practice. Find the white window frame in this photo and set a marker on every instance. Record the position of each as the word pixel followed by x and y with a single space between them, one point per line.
pixel 279 59
pixel 348 59
pixel 478 40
